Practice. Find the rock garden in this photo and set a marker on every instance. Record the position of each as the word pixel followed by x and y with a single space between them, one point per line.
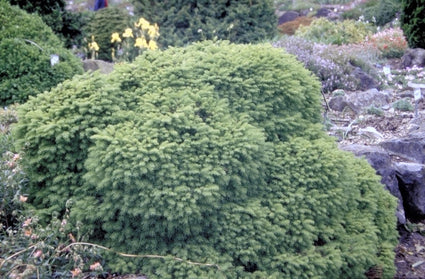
pixel 273 139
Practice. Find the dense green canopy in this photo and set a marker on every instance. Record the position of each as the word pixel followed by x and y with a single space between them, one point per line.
pixel 413 22
pixel 26 46
pixel 186 21
pixel 213 153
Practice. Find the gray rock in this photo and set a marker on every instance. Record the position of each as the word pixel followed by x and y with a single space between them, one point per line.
pixel 379 159
pixel 288 16
pixel 417 127
pixel 94 65
pixel 410 149
pixel 366 81
pixel 411 177
pixel 413 57
pixel 323 12
pixel 370 132
pixel 338 103
pixel 362 100
pixel 359 101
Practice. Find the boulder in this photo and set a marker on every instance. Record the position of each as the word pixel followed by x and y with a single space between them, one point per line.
pixel 338 103
pixel 358 101
pixel 411 181
pixel 94 65
pixel 413 57
pixel 364 99
pixel 370 132
pixel 411 148
pixel 329 13
pixel 366 81
pixel 380 160
pixel 288 16
pixel 323 12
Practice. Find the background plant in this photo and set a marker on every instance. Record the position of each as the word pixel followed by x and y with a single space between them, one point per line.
pixel 413 22
pixel 67 25
pixel 305 4
pixel 188 21
pixel 378 12
pixel 133 41
pixel 26 46
pixel 290 27
pixel 390 42
pixel 93 49
pixel 400 78
pixel 104 23
pixel 34 250
pixel 12 177
pixel 403 105
pixel 324 31
pixel 374 110
pixel 212 153
pixel 333 65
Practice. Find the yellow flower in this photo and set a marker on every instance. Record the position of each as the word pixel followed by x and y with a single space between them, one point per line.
pixel 115 37
pixel 153 31
pixel 93 46
pixel 128 33
pixel 142 23
pixel 141 43
pixel 152 45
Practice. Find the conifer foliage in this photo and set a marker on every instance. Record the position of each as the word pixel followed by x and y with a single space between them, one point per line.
pixel 182 22
pixel 413 22
pixel 26 46
pixel 211 153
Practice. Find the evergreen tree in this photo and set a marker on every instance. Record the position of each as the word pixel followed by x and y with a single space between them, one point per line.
pixel 26 46
pixel 182 22
pixel 67 25
pixel 413 22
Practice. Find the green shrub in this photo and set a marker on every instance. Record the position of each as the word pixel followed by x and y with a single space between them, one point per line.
pixel 383 12
pixel 26 46
pixel 375 110
pixel 65 24
pixel 104 23
pixel 188 21
pixel 403 105
pixel 285 5
pixel 12 178
pixel 324 31
pixel 33 250
pixel 213 154
pixel 380 12
pixel 390 42
pixel 413 22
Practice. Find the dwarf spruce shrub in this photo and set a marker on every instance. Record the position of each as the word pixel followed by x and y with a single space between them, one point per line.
pixel 26 46
pixel 186 21
pixel 213 154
